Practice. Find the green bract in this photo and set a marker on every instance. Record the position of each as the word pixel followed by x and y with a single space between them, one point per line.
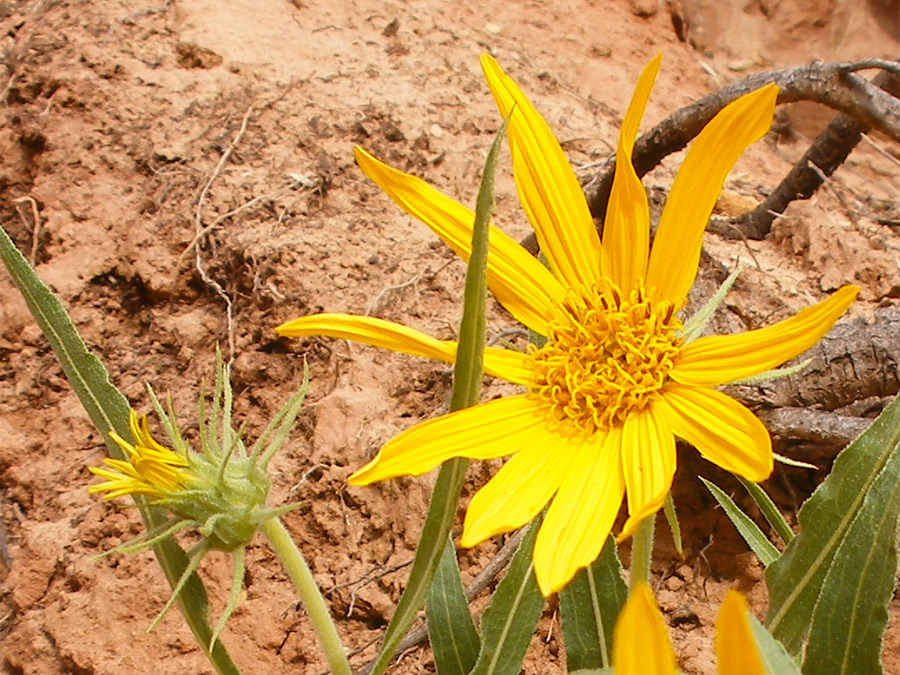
pixel 220 491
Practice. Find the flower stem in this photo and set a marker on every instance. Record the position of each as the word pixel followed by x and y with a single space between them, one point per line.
pixel 297 569
pixel 642 551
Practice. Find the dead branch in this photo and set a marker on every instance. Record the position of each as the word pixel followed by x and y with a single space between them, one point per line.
pixel 496 565
pixel 856 361
pixel 835 85
pixel 855 369
pixel 826 153
pixel 814 426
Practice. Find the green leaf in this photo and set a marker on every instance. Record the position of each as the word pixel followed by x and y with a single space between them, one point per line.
pixel 467 375
pixel 771 512
pixel 105 404
pixel 108 409
pixel 588 609
pixel 851 614
pixel 774 657
pixel 451 630
pixel 787 461
pixel 674 526
pixel 848 537
pixel 469 367
pixel 694 326
pixel 756 540
pixel 438 521
pixel 509 622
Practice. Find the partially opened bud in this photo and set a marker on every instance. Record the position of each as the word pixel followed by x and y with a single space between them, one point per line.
pixel 225 495
pixel 220 491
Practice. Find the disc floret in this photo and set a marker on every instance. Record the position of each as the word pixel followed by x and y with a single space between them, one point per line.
pixel 607 355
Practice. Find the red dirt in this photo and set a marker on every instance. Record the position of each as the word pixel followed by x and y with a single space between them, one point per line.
pixel 115 116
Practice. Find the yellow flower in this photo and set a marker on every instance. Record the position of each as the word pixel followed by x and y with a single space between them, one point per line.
pixel 221 490
pixel 641 644
pixel 151 469
pixel 615 383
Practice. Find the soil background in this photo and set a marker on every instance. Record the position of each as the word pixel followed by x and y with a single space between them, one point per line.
pixel 114 120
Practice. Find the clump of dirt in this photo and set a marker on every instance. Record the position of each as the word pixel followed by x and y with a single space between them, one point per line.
pixel 182 176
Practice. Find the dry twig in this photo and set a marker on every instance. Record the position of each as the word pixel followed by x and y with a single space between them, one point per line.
pixel 496 565
pixel 34 226
pixel 835 85
pixel 854 370
pixel 826 153
pixel 199 229
pixel 374 308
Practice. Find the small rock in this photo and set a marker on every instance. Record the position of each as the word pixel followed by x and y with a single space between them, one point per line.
pixel 733 204
pixel 644 8
pixel 674 583
pixel 391 29
pixel 391 132
pixel 190 55
pixel 686 572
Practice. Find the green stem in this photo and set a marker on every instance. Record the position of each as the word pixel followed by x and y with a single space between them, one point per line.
pixel 297 569
pixel 642 551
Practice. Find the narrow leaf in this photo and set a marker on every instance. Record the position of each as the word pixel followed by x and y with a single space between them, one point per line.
pixel 438 521
pixel 674 525
pixel 108 409
pixel 588 609
pixel 469 367
pixel 451 631
pixel 509 622
pixel 796 580
pixel 756 540
pixel 787 461
pixel 467 375
pixel 771 512
pixel 694 326
pixel 772 653
pixel 106 406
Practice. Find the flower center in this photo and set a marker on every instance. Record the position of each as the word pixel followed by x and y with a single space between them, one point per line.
pixel 605 357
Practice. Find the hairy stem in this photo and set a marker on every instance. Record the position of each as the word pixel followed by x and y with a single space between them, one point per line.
pixel 642 551
pixel 299 572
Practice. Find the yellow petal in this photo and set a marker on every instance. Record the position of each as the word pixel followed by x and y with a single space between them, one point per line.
pixel 118 470
pixel 626 230
pixel 736 650
pixel 648 462
pixel 641 643
pixel 549 192
pixel 717 359
pixel 508 364
pixel 494 429
pixel 140 431
pixel 581 516
pixel 723 430
pixel 505 363
pixel 516 278
pixel 121 480
pixel 520 489
pixel 676 248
